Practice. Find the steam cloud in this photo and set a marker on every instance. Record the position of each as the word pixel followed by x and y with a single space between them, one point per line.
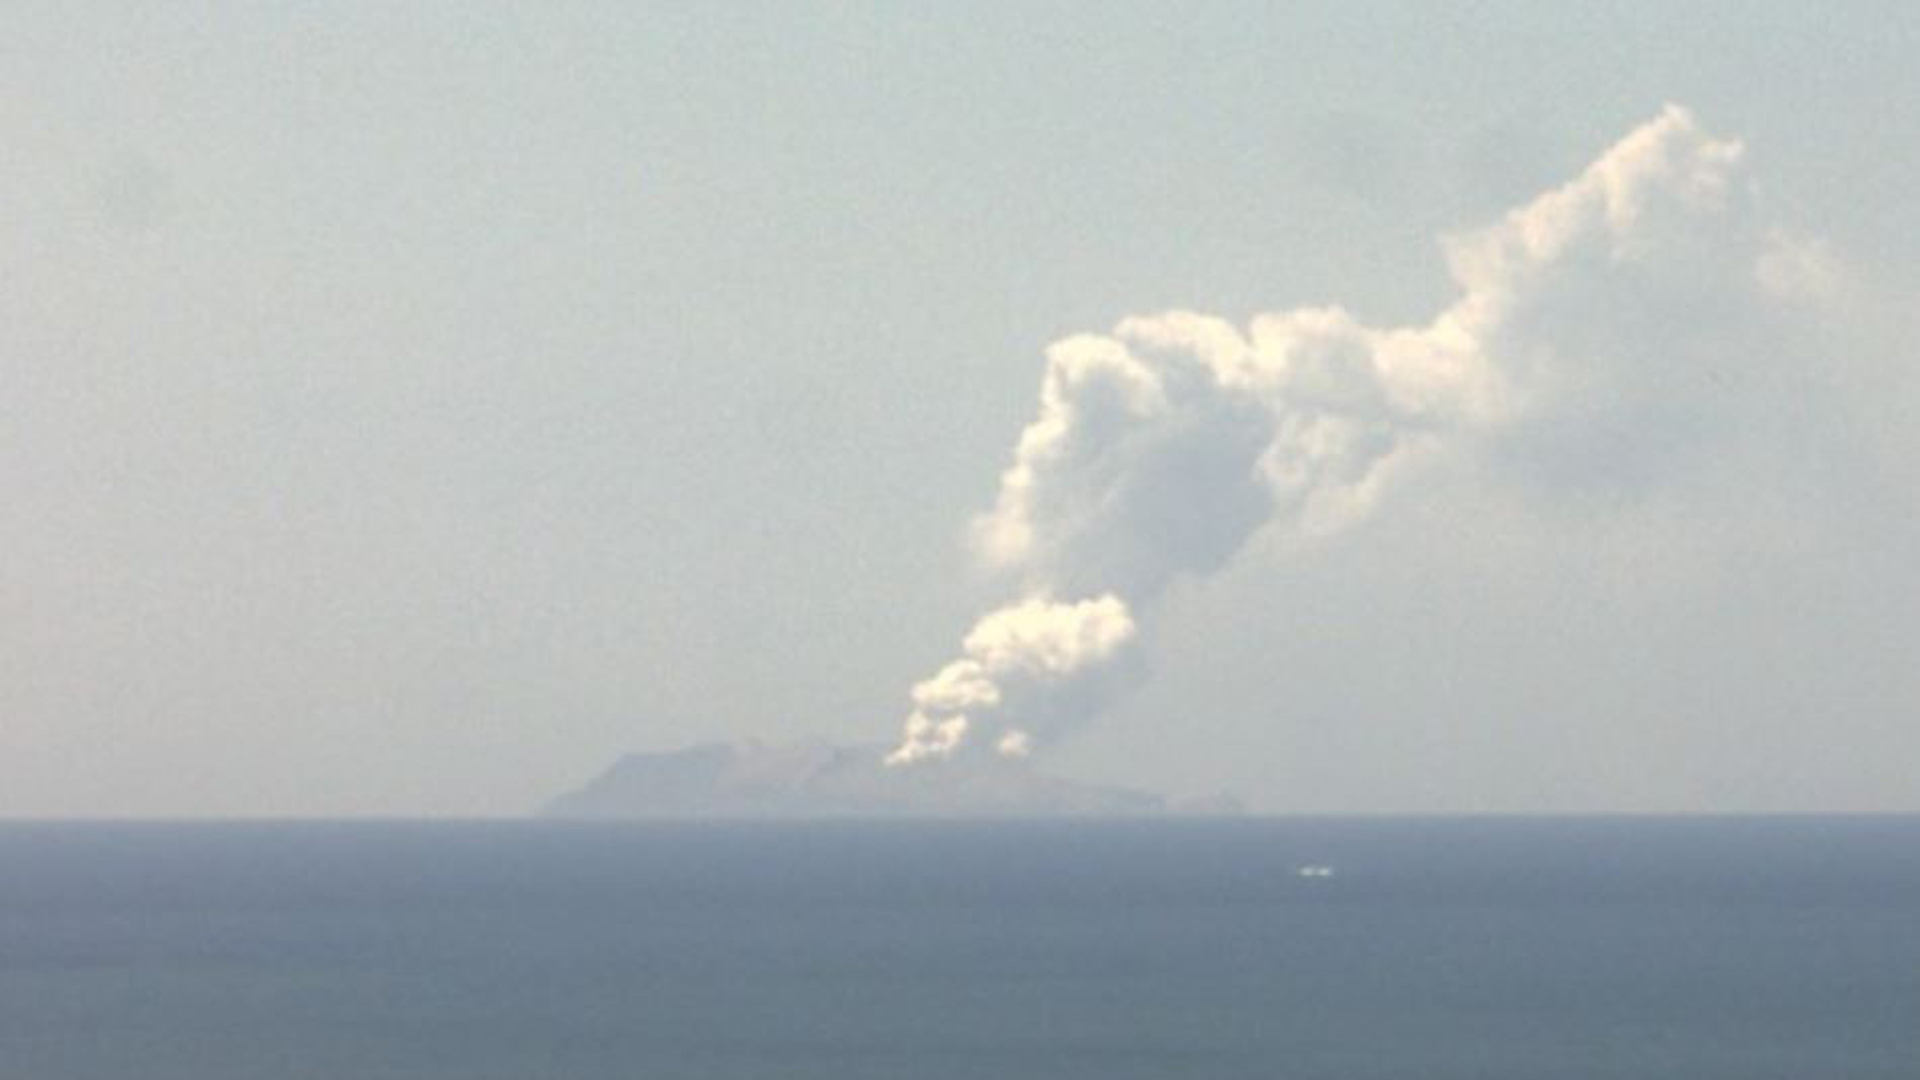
pixel 1584 324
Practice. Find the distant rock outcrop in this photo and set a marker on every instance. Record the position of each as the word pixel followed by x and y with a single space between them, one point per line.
pixel 817 779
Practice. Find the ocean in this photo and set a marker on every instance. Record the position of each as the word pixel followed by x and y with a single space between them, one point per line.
pixel 1412 949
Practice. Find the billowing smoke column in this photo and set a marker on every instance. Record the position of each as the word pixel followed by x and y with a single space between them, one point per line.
pixel 1160 448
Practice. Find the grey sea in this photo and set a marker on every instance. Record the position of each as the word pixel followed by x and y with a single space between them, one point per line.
pixel 1342 949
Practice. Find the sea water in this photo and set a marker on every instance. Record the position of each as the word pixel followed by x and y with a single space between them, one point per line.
pixel 1338 949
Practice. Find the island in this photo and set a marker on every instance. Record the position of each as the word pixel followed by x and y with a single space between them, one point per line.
pixel 816 779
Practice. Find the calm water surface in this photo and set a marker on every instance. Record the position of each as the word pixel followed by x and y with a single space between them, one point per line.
pixel 1692 950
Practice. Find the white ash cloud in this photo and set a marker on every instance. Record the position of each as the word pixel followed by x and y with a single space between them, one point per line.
pixel 1592 327
pixel 1035 666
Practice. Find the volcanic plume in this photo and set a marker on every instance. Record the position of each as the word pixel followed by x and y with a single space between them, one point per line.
pixel 1582 321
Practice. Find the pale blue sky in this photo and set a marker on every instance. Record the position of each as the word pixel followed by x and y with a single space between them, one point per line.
pixel 406 411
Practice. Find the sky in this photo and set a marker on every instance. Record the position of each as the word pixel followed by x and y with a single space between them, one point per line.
pixel 406 412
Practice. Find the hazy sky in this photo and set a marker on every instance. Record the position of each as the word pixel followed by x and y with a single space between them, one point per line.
pixel 407 411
